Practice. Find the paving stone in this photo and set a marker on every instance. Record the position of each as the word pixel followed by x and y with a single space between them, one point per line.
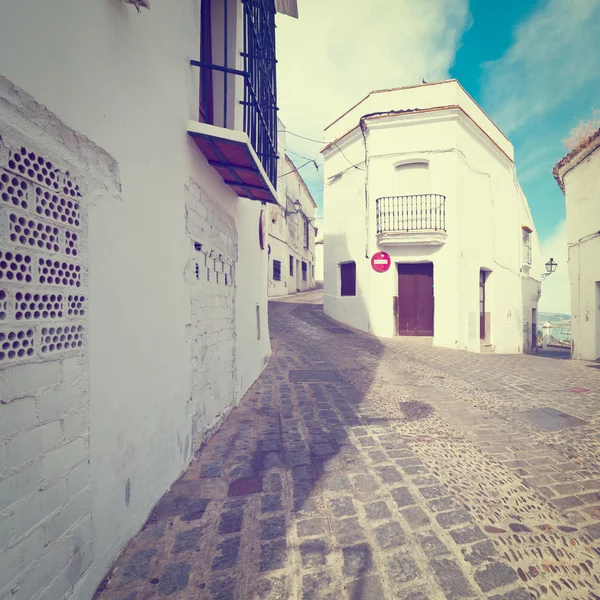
pixel 308 527
pixel 479 553
pixel 223 588
pixel 390 535
pixel 194 510
pixel 441 504
pixel 274 588
pixel 453 518
pixel 273 483
pixel 519 594
pixel 378 457
pixel 358 560
pixel 231 521
pixel 211 470
pixel 348 531
pixel 154 530
pixel 431 544
pixel 431 492
pixel 138 565
pixel 187 540
pixel 367 588
pixel 272 528
pixel 337 483
pixel 495 575
pixel 401 568
pixel 273 555
pixel 307 507
pixel 316 587
pixel 415 517
pixel 313 553
pixel 174 578
pixel 227 556
pixel 389 474
pixel 411 461
pixel 467 535
pixel 402 496
pixel 365 483
pixel 271 503
pixel 342 507
pixel 450 578
pixel 568 502
pixel 377 510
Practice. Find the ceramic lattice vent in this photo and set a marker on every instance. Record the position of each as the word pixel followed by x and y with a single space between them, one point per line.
pixel 43 297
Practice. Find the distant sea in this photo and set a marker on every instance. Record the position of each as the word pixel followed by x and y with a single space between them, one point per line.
pixel 562 332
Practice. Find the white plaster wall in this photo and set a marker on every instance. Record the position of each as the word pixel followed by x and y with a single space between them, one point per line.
pixel 485 210
pixel 582 192
pixel 129 87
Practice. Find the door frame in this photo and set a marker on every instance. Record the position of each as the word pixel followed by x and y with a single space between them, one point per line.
pixel 396 301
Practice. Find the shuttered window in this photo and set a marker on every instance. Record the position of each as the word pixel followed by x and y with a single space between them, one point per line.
pixel 277 270
pixel 348 277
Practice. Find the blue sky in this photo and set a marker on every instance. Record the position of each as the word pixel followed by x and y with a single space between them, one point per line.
pixel 531 65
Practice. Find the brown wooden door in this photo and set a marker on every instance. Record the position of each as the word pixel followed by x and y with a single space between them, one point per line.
pixel 415 299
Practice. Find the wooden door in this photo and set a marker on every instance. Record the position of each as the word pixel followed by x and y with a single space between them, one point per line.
pixel 415 299
pixel 482 275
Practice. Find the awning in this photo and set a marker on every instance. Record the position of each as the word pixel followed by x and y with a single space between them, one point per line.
pixel 287 7
pixel 232 156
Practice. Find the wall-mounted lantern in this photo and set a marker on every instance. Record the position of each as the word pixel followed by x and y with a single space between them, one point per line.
pixel 550 268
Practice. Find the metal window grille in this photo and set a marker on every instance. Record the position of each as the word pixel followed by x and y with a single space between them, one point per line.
pixel 259 96
pixel 526 247
pixel 304 270
pixel 291 265
pixel 277 270
pixel 306 234
pixel 348 279
pixel 411 213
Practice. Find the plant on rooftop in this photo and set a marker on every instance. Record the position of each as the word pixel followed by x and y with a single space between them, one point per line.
pixel 583 131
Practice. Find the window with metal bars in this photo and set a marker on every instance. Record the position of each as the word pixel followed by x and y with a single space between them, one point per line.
pixel 217 73
pixel 304 270
pixel 277 270
pixel 348 278
pixel 291 265
pixel 526 246
pixel 306 233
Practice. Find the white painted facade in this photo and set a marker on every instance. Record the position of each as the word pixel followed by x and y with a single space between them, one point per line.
pixel 430 139
pixel 171 306
pixel 291 231
pixel 578 176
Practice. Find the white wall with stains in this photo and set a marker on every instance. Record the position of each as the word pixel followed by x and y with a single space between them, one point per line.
pixel 149 385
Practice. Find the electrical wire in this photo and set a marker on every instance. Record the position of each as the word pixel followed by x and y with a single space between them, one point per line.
pixel 295 169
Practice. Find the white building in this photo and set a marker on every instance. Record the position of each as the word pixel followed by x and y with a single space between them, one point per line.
pixel 578 176
pixel 133 304
pixel 291 231
pixel 422 174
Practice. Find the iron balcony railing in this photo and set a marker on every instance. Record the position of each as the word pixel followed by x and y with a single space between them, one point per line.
pixel 411 213
pixel 260 91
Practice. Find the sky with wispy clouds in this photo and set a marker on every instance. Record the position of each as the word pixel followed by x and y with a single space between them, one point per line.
pixel 531 64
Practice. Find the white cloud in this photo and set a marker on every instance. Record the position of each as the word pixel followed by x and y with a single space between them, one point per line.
pixel 553 57
pixel 555 288
pixel 340 50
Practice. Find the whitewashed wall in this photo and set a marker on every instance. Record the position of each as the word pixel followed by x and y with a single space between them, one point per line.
pixel 136 408
pixel 582 192
pixel 485 210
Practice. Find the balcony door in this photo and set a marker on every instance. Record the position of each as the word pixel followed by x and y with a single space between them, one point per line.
pixel 206 74
pixel 415 299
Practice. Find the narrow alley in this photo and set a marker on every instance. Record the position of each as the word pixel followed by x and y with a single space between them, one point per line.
pixel 357 467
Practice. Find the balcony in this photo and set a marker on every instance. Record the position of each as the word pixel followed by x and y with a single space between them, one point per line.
pixel 236 129
pixel 417 220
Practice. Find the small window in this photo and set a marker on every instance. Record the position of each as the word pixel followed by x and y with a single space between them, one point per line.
pixel 306 233
pixel 312 270
pixel 304 270
pixel 277 270
pixel 526 246
pixel 348 276
pixel 291 265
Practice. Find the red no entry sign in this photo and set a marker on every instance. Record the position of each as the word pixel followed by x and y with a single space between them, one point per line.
pixel 381 262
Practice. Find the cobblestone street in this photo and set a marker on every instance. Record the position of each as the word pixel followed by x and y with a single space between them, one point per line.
pixel 383 469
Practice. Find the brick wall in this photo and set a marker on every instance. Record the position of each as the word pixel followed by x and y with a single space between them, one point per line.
pixel 45 494
pixel 214 253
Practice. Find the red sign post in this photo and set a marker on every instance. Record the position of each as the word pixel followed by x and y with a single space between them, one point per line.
pixel 381 262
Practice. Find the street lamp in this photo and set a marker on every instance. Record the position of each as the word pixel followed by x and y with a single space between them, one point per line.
pixel 550 268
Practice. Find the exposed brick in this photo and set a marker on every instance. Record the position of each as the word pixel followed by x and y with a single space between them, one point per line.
pixel 76 509
pixel 72 368
pixel 30 444
pixel 59 402
pixel 75 425
pixel 39 507
pixel 20 484
pixel 21 379
pixel 17 559
pixel 17 415
pixel 59 462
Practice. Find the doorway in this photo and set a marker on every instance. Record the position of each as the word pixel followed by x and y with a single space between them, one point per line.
pixel 533 329
pixel 482 276
pixel 415 299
